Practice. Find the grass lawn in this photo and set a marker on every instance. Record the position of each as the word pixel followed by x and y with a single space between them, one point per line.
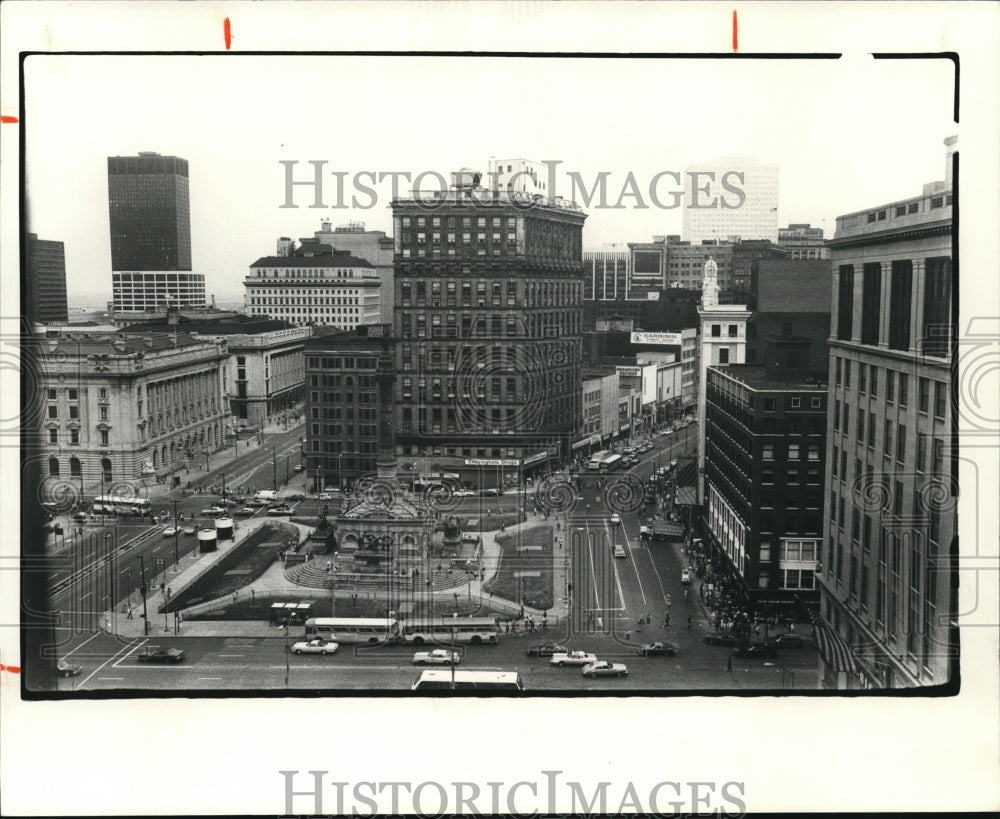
pixel 534 587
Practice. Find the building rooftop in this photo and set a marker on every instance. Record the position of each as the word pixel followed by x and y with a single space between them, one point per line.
pixel 110 344
pixel 755 376
pixel 234 324
pixel 333 258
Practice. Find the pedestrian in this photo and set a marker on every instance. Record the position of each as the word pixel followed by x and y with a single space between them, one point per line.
pixel 666 622
pixel 129 613
pixel 729 663
pixel 648 619
pixel 253 594
pixel 169 592
pixel 689 621
pixel 235 593
pixel 506 625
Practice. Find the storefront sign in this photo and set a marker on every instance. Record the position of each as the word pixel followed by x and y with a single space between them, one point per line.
pixel 629 372
pixel 492 462
pixel 541 456
pixel 656 338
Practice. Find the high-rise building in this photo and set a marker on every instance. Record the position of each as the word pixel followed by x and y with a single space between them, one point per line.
pixel 46 276
pixel 488 322
pixel 607 273
pixel 730 198
pixel 150 220
pixel 764 447
pixel 314 284
pixel 686 262
pixel 371 245
pixel 803 242
pixel 890 513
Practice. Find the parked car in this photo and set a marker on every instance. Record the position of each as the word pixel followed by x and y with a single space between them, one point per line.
pixel 463 493
pixel 546 650
pixel 572 658
pixel 317 646
pixel 602 668
pixel 324 496
pixel 724 638
pixel 439 656
pixel 189 530
pixel 657 650
pixel 618 550
pixel 160 655
pixel 170 531
pixel 66 669
pixel 245 511
pixel 787 641
pixel 297 467
pixel 213 511
pixel 686 576
pixel 491 493
pixel 284 509
pixel 616 518
pixel 295 497
pixel 758 651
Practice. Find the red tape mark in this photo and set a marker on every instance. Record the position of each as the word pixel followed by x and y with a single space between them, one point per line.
pixel 736 32
pixel 227 32
pixel 13 669
pixel 8 119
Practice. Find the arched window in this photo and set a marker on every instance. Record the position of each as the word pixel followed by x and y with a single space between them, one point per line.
pixel 74 467
pixel 54 467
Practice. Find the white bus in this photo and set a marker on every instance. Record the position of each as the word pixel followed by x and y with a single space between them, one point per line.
pixel 469 682
pixel 371 630
pixel 445 630
pixel 611 463
pixel 596 459
pixel 115 505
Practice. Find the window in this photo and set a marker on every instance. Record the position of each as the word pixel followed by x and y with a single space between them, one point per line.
pixel 924 400
pixel 940 399
pixel 887 435
pixel 103 433
pixel 921 464
pixel 845 302
pixel 904 383
pixel 873 381
pixel 890 385
pixel 796 402
pixel 723 355
pixel 900 303
pixel 937 327
pixel 871 301
pixel 837 369
pixel 52 395
pixel 862 378
pixel 733 330
pixel 815 402
pixel 861 426
pixel 716 331
pixel 813 452
pixel 74 436
pixel 767 452
pixel 53 411
pixel 836 416
pixel 769 405
pixel 847 373
pixel 871 430
pixel 793 452
pixel 53 436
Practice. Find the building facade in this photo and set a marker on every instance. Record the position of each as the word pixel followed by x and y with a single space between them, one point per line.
pixel 715 209
pixel 686 262
pixel 150 223
pixel 765 430
pixel 890 514
pixel 119 408
pixel 803 241
pixel 747 256
pixel 371 245
pixel 488 322
pixel 607 273
pixel 314 284
pixel 46 276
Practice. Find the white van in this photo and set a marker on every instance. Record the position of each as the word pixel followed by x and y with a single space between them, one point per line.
pixel 266 495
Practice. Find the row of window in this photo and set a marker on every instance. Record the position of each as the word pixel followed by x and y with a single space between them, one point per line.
pixel 551 324
pixel 794 451
pixel 452 221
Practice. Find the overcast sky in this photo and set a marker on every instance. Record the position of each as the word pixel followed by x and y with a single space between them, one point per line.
pixel 847 134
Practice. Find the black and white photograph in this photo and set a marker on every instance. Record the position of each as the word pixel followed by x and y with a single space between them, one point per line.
pixel 370 367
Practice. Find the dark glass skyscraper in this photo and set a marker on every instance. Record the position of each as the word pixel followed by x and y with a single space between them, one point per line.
pixel 150 213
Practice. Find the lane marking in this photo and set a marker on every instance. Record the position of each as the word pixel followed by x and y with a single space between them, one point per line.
pixel 125 649
pixel 91 637
pixel 230 655
pixel 593 572
pixel 634 567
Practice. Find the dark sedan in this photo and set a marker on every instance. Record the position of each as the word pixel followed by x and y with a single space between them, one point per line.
pixel 756 651
pixel 657 650
pixel 724 638
pixel 787 641
pixel 546 650
pixel 160 655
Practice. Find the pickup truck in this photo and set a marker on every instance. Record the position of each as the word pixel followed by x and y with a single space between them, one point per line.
pixel 573 658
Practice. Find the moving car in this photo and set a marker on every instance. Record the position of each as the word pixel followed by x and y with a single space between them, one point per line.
pixel 317 646
pixel 686 576
pixel 297 467
pixel 213 511
pixel 66 669
pixel 602 668
pixel 546 650
pixel 189 530
pixel 439 656
pixel 80 517
pixel 572 658
pixel 324 496
pixel 491 493
pixel 245 511
pixel 170 531
pixel 787 641
pixel 657 650
pixel 463 493
pixel 756 651
pixel 618 550
pixel 724 638
pixel 616 518
pixel 284 509
pixel 152 654
pixel 295 497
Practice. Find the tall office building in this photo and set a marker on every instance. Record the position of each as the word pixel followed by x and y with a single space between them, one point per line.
pixel 890 513
pixel 607 272
pixel 488 322
pixel 150 219
pixel 46 277
pixel 713 211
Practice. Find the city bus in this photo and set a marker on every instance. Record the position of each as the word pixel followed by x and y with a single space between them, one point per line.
pixel 611 463
pixel 596 458
pixel 115 505
pixel 440 680
pixel 445 630
pixel 371 630
pixel 432 480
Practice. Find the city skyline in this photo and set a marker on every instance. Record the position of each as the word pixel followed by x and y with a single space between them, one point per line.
pixel 237 183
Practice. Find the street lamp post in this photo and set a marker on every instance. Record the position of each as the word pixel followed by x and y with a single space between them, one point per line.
pixel 288 619
pixel 144 590
pixel 274 468
pixel 177 532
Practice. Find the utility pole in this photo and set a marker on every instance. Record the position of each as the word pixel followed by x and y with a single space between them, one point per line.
pixel 177 532
pixel 143 589
pixel 274 468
